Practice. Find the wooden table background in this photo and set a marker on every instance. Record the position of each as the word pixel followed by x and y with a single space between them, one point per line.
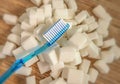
pixel 17 7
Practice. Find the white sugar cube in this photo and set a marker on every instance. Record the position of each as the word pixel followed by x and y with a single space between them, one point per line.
pixel 25 35
pixel 63 13
pixel 58 81
pixel 51 57
pixel 77 59
pixel 32 17
pixel 38 31
pixel 72 22
pixel 93 74
pixel 58 67
pixel 93 36
pixel 102 66
pixel 109 43
pixel 48 11
pixel 40 15
pixel 22 17
pixel 100 12
pixel 10 19
pixel 93 50
pixel 14 38
pixel 26 26
pixel 84 52
pixel 31 9
pixel 72 5
pixel 16 29
pixel 81 16
pixel 49 21
pixel 41 58
pixel 65 72
pixel 99 40
pixel 46 1
pixel 116 50
pixel 89 20
pixel 78 40
pixel 55 74
pixel 17 51
pixel 84 27
pixel 107 56
pixel 30 43
pixel 85 65
pixel 92 26
pixel 70 66
pixel 73 30
pixel 1 54
pixel 36 2
pixel 75 76
pixel 26 71
pixel 67 54
pixel 86 79
pixel 46 80
pixel 57 4
pixel 31 80
pixel 43 67
pixel 8 48
pixel 31 61
pixel 103 27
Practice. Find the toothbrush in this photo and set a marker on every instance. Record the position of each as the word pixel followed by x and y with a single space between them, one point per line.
pixel 51 36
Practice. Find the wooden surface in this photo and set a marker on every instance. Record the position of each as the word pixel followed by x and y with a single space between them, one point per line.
pixel 17 7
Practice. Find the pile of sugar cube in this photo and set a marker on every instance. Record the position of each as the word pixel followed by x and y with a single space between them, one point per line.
pixel 71 60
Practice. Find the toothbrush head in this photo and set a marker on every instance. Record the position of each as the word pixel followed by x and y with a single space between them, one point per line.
pixel 56 31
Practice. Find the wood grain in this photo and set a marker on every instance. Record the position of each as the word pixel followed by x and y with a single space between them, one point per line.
pixel 17 7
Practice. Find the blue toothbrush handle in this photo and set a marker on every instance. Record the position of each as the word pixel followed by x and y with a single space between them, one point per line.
pixel 15 66
pixel 20 62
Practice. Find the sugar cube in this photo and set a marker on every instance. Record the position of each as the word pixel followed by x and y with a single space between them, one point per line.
pixel 1 54
pixel 85 65
pixel 92 26
pixel 107 56
pixel 10 19
pixel 93 50
pixel 116 50
pixel 75 76
pixel 17 51
pixel 31 61
pixel 40 15
pixel 84 52
pixel 58 81
pixel 36 2
pixel 78 40
pixel 93 74
pixel 26 71
pixel 8 48
pixel 25 35
pixel 81 16
pixel 109 43
pixel 48 11
pixel 14 38
pixel 30 43
pixel 31 80
pixel 67 54
pixel 100 12
pixel 16 29
pixel 51 57
pixel 57 4
pixel 72 5
pixel 43 67
pixel 89 20
pixel 46 80
pixel 101 66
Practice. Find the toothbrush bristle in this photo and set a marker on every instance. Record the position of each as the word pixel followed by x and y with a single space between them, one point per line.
pixel 56 31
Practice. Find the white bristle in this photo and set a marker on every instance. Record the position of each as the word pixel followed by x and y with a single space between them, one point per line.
pixel 54 30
